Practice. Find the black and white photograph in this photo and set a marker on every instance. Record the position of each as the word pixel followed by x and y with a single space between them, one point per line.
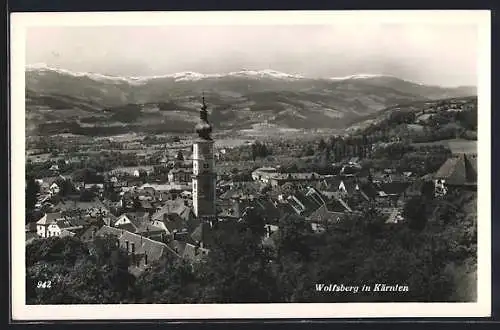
pixel 250 164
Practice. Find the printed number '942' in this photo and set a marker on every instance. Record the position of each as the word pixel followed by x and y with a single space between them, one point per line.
pixel 44 284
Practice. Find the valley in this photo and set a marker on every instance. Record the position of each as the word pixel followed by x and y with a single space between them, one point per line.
pixel 254 103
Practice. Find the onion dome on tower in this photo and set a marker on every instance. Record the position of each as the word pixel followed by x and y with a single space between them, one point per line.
pixel 203 127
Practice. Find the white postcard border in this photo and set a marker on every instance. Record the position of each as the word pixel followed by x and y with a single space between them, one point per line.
pixel 20 311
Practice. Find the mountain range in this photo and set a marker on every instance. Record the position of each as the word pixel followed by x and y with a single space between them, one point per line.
pixel 84 102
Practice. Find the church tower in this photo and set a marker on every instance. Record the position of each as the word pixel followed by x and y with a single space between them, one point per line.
pixel 204 175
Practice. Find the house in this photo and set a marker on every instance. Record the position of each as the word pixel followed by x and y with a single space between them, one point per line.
pixel 277 180
pixel 171 225
pixel 179 175
pixel 88 234
pixel 98 186
pixel 43 200
pixel 305 202
pixel 353 161
pixel 229 209
pixel 94 208
pixel 350 170
pixel 46 182
pixel 54 189
pixel 188 250
pixel 64 227
pixel 203 236
pixel 148 229
pixel 391 192
pixel 268 209
pixel 235 209
pixel 329 184
pixel 323 215
pixel 270 241
pixel 54 168
pixel 42 225
pixel 348 187
pixel 146 206
pixel 131 221
pixel 167 188
pixel 177 206
pixel 415 189
pixel 270 230
pixel 422 119
pixel 241 190
pixel 263 174
pixel 142 250
pixel 337 204
pixel 458 172
pixel 369 190
pixel 394 188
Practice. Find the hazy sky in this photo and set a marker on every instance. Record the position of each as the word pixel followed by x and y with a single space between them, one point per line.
pixel 432 54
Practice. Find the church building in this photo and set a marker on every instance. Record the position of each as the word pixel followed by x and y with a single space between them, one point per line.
pixel 204 175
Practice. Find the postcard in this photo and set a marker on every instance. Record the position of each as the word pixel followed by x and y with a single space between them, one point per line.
pixel 250 165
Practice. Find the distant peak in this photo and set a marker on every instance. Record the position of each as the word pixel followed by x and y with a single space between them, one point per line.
pixel 178 76
pixel 362 76
pixel 42 67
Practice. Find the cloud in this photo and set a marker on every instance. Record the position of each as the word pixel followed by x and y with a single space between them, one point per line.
pixel 435 54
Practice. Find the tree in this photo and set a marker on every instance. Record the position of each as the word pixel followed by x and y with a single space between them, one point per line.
pixel 373 221
pixel 415 212
pixel 254 151
pixel 32 190
pixel 78 273
pixel 294 237
pixel 309 151
pixel 255 223
pixel 65 187
pixel 237 269
pixel 327 154
pixel 428 190
pixel 86 195
pixel 169 281
pixel 321 145
pixel 137 203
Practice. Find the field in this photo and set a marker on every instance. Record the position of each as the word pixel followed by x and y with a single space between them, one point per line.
pixel 456 145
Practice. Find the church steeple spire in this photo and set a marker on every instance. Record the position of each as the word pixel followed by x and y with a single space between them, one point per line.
pixel 203 128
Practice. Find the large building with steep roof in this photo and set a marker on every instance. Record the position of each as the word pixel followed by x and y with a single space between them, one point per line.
pixel 458 171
